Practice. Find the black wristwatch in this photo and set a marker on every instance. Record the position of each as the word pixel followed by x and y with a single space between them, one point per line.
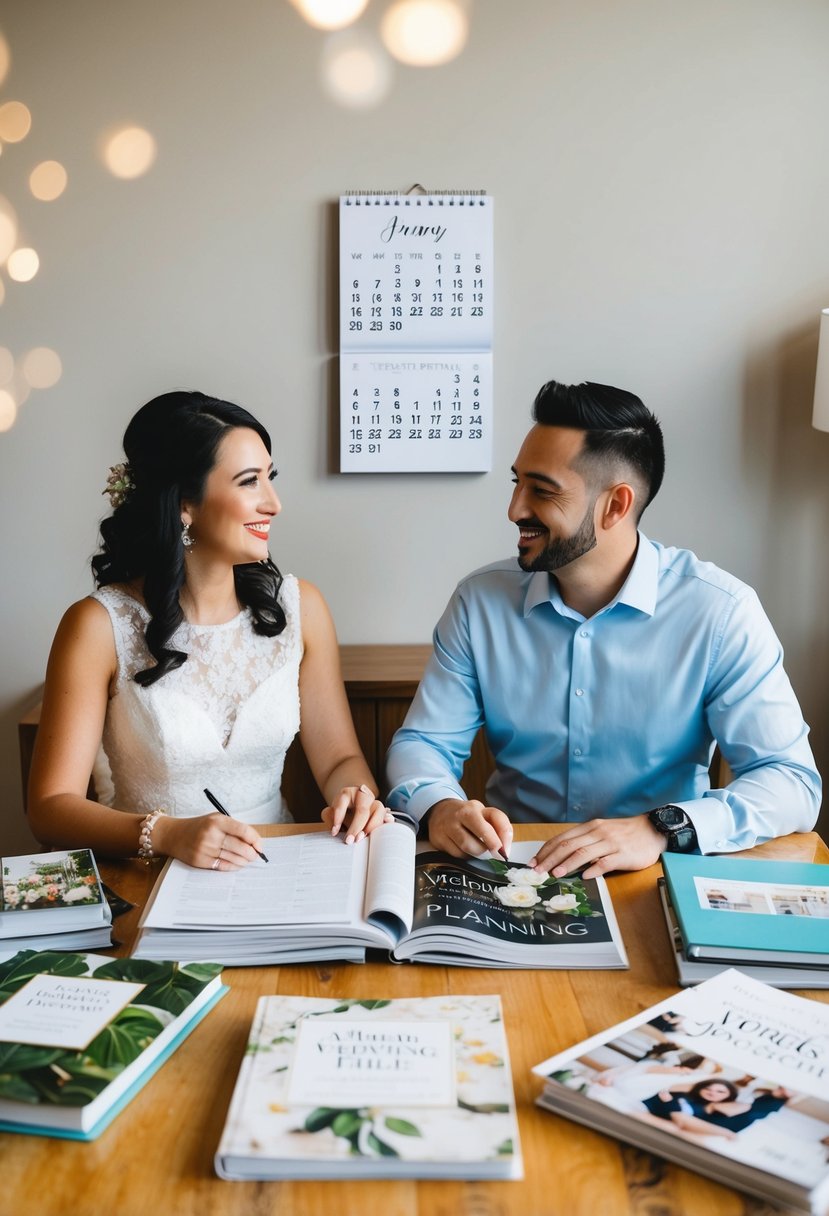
pixel 674 824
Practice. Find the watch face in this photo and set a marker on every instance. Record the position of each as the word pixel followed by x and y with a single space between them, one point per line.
pixel 672 817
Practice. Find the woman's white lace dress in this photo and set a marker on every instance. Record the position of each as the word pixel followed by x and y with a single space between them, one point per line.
pixel 224 719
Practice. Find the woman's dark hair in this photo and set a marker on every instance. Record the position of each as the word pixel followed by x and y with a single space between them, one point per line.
pixel 618 426
pixel 695 1092
pixel 171 446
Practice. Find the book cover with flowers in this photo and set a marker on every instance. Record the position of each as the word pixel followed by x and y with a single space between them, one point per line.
pixel 40 892
pixel 404 1088
pixel 513 915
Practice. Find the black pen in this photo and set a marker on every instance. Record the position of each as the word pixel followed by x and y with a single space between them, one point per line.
pixel 212 798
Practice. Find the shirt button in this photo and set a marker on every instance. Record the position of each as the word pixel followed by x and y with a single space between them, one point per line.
pixel 576 751
pixel 576 806
pixel 579 692
pixel 584 634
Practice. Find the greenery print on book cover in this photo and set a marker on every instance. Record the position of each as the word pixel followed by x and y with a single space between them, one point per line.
pixel 63 880
pixel 62 1077
pixel 478 1127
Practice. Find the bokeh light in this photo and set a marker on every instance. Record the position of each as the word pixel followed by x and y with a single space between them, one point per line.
pixel 15 122
pixel 330 14
pixel 130 152
pixel 6 365
pixel 8 410
pixel 41 367
pixel 47 181
pixel 356 72
pixel 8 229
pixel 425 33
pixel 23 265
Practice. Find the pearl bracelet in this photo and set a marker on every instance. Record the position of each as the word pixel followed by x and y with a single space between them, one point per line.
pixel 145 835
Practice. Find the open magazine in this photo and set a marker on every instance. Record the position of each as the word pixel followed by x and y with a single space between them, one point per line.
pixel 320 899
pixel 728 1078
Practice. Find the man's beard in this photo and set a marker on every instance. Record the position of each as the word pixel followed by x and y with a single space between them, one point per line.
pixel 564 549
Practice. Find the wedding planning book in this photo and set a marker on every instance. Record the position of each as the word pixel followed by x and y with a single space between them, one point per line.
pixel 81 1034
pixel 404 1088
pixel 320 899
pixel 53 901
pixel 730 1078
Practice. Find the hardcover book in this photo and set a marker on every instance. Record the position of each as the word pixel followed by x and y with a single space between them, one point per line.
pixel 321 899
pixel 81 1034
pixel 691 971
pixel 728 1078
pixel 53 899
pixel 735 909
pixel 331 1089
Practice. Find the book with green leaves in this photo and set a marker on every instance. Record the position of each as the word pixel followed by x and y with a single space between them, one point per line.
pixel 81 1034
pixel 320 899
pixel 404 1088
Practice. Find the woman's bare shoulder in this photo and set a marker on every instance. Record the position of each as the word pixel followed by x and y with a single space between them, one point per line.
pixel 85 623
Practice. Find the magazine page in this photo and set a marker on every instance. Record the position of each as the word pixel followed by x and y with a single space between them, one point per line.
pixel 733 1067
pixel 313 878
pixel 507 909
pixel 390 880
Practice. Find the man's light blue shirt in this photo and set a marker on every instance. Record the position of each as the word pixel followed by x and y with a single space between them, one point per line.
pixel 615 714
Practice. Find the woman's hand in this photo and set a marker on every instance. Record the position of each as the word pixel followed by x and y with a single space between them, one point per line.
pixel 359 808
pixel 209 842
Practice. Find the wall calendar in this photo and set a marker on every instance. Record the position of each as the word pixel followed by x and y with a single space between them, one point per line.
pixel 416 333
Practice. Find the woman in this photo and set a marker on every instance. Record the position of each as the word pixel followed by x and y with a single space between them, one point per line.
pixel 190 661
pixel 701 1110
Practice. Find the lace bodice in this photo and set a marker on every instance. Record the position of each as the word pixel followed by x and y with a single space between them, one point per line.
pixel 224 719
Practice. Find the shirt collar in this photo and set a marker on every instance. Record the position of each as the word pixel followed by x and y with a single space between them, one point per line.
pixel 638 590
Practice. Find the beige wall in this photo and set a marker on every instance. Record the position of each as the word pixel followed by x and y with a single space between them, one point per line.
pixel 660 173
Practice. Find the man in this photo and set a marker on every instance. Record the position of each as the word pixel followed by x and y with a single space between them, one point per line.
pixel 603 668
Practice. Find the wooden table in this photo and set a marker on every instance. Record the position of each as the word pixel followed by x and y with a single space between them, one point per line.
pixel 157 1156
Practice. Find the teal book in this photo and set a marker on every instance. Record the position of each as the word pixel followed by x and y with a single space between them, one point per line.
pixel 736 909
pixel 81 1034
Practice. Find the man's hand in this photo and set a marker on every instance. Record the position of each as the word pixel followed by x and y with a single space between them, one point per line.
pixel 601 845
pixel 468 828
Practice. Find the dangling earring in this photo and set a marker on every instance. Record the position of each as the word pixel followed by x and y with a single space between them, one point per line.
pixel 186 539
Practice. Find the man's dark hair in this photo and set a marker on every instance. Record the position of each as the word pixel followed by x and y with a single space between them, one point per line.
pixel 618 428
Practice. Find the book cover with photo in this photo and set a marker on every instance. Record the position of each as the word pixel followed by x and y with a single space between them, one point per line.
pixel 739 909
pixel 690 971
pixel 45 892
pixel 81 1034
pixel 320 899
pixel 403 1088
pixel 730 1078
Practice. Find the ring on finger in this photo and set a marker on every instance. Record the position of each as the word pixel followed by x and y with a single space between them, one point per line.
pixel 216 863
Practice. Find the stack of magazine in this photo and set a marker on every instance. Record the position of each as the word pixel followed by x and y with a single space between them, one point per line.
pixel 728 1078
pixel 320 899
pixel 769 918
pixel 53 901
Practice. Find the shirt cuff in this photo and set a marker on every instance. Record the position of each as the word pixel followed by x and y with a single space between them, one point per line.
pixel 416 799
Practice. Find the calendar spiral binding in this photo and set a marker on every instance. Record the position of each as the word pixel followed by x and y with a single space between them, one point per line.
pixel 431 198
